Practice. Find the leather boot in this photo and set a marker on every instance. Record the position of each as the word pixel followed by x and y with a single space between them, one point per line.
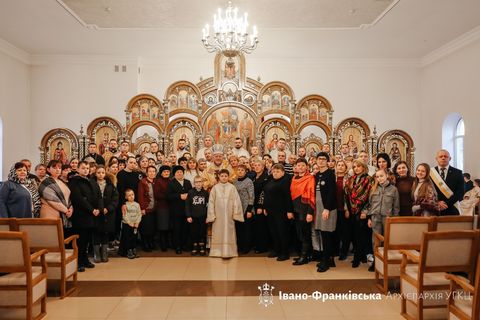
pixel 302 260
pixel 104 252
pixel 96 253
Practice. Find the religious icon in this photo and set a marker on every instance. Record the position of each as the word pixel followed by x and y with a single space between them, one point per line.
pixel 285 102
pixel 352 137
pixel 213 127
pixel 102 138
pixel 183 99
pixel 352 146
pixel 395 153
pixel 276 99
pixel 323 115
pixel 154 113
pixel 313 111
pixel 267 103
pixel 145 111
pixel 246 131
pixel 135 114
pixel 173 102
pixel 60 153
pixel 304 115
pixel 186 134
pixel 227 123
pixel 229 71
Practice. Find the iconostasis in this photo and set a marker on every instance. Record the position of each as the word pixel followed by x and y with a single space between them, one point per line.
pixel 224 107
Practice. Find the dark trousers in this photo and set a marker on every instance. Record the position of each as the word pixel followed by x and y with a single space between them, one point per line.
pixel 328 244
pixel 84 238
pixel 129 238
pixel 198 230
pixel 67 232
pixel 179 231
pixel 344 232
pixel 360 238
pixel 304 233
pixel 100 237
pixel 244 234
pixel 279 231
pixel 260 227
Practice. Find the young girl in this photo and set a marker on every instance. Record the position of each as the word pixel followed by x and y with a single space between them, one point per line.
pixel 384 201
pixel 224 208
pixel 132 215
pixel 105 221
pixel 425 201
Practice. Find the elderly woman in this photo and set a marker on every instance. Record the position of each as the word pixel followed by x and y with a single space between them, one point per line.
pixel 18 195
pixel 55 195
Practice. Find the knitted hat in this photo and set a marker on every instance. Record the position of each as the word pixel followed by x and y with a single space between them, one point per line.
pixel 164 168
pixel 176 168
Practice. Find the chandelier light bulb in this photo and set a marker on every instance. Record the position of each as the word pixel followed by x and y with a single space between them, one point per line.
pixel 230 34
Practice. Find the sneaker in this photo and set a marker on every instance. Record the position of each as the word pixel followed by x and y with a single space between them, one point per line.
pixel 130 254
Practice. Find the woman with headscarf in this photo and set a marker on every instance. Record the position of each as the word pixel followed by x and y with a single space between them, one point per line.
pixel 19 197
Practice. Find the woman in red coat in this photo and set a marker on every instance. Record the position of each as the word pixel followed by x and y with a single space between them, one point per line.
pixel 146 199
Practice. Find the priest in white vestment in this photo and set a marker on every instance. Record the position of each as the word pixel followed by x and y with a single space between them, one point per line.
pixel 224 207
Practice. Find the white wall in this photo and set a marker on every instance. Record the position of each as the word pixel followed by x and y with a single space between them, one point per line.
pixel 451 85
pixel 71 93
pixel 14 110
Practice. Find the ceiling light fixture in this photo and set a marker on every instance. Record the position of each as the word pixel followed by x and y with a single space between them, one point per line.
pixel 229 33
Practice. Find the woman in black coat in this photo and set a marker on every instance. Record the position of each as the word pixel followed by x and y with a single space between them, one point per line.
pixel 85 199
pixel 105 221
pixel 261 238
pixel 278 207
pixel 177 191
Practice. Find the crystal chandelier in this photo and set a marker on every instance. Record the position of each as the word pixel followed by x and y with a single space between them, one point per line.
pixel 230 35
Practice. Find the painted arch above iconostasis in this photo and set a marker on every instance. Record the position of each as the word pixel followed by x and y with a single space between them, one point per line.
pixel 224 107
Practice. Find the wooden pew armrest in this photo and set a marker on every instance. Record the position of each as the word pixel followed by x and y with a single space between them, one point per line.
pixel 461 282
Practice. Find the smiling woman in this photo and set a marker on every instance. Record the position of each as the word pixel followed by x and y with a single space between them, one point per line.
pixel 19 196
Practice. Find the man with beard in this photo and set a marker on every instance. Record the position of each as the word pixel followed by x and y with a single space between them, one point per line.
pixel 210 175
pixel 181 148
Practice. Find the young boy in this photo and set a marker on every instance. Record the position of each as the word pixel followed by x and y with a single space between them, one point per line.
pixel 224 207
pixel 196 211
pixel 132 215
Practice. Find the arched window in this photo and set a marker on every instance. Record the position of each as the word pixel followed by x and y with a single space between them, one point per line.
pixel 453 133
pixel 458 144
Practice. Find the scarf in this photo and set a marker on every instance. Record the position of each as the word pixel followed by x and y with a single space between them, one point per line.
pixel 50 191
pixel 304 187
pixel 357 190
pixel 31 186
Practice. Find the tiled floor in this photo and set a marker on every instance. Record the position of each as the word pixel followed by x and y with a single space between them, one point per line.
pixel 209 288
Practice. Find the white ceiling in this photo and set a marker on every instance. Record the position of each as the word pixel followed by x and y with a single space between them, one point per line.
pixel 194 13
pixel 410 30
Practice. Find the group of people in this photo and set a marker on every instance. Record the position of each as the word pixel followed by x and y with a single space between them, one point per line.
pixel 227 203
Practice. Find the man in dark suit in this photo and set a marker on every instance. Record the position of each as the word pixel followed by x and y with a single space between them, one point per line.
pixel 467 182
pixel 453 178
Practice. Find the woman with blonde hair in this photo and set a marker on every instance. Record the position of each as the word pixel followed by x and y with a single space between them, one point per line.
pixel 191 172
pixel 357 191
pixel 425 202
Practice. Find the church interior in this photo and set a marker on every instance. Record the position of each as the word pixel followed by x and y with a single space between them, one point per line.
pixel 171 81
